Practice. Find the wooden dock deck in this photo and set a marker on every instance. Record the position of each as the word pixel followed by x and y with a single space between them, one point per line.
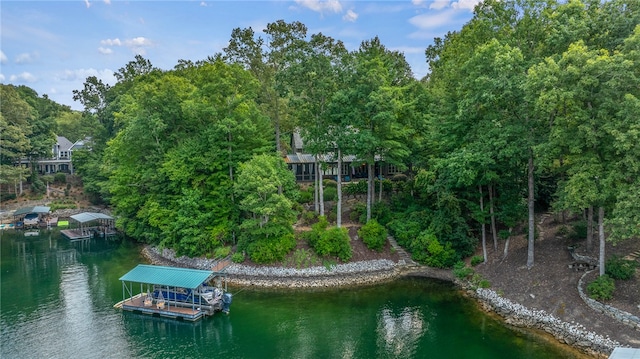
pixel 171 309
pixel 85 233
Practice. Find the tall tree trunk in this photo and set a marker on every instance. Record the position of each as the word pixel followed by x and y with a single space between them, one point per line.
pixel 601 237
pixel 369 190
pixel 339 206
pixel 316 183
pixel 493 219
pixel 276 124
pixel 321 189
pixel 484 232
pixel 506 245
pixel 590 228
pixel 530 203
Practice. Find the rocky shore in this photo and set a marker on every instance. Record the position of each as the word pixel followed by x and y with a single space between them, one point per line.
pixel 517 315
pixel 376 271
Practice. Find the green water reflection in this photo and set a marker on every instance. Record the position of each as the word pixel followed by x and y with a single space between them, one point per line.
pixel 57 301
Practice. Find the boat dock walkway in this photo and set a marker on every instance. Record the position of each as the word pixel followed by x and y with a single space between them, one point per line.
pixel 169 309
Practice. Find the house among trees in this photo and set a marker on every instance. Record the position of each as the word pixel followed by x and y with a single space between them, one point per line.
pixel 60 160
pixel 303 164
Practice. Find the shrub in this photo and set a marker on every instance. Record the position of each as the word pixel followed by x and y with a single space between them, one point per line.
pixel 272 249
pixel 37 186
pixel 60 178
pixel 8 196
pixel 62 204
pixel 308 217
pixel 427 249
pixel 461 271
pixel 332 215
pixel 619 268
pixel 504 234
pixel 330 194
pixel 602 288
pixel 313 236
pixel 381 212
pixel 329 183
pixel 405 230
pixel 562 231
pixel 475 260
pixel 306 196
pixel 355 188
pixel 358 212
pixel 237 257
pixel 374 235
pixel 221 252
pixel 335 242
pixel 579 230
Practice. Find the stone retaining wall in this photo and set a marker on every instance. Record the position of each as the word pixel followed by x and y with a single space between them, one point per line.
pixel 617 314
pixel 574 335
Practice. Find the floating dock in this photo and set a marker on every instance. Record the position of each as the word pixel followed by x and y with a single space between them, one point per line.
pixel 87 232
pixel 171 292
pixel 169 309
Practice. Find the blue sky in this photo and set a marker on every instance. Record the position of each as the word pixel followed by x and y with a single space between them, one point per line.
pixel 53 46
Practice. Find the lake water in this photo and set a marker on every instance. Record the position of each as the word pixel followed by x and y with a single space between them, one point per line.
pixel 57 298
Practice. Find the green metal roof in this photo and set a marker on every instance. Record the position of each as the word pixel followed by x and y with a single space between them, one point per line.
pixel 34 209
pixel 168 276
pixel 89 216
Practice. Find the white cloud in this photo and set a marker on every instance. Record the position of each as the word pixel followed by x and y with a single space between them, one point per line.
pixel 25 58
pixel 350 16
pixel 417 2
pixel 108 2
pixel 321 5
pixel 105 50
pixel 137 42
pixel 408 49
pixel 86 2
pixel 3 58
pixel 439 4
pixel 1 78
pixel 23 77
pixel 432 21
pixel 105 75
pixel 202 3
pixel 111 42
pixel 465 4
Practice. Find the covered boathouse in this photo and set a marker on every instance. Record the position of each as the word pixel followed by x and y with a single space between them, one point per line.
pixel 159 291
pixel 90 224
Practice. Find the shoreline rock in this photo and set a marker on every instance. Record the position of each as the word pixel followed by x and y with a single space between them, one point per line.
pixel 379 271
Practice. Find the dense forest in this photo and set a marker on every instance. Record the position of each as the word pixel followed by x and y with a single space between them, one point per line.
pixel 531 106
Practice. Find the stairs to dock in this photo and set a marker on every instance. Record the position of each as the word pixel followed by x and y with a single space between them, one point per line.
pixel 405 258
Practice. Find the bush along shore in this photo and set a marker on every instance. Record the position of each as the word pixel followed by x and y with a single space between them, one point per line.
pixel 377 271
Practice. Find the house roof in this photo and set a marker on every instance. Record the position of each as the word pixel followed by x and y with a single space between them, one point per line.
pixel 64 143
pixel 81 143
pixel 168 276
pixel 89 216
pixel 34 209
pixel 298 158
